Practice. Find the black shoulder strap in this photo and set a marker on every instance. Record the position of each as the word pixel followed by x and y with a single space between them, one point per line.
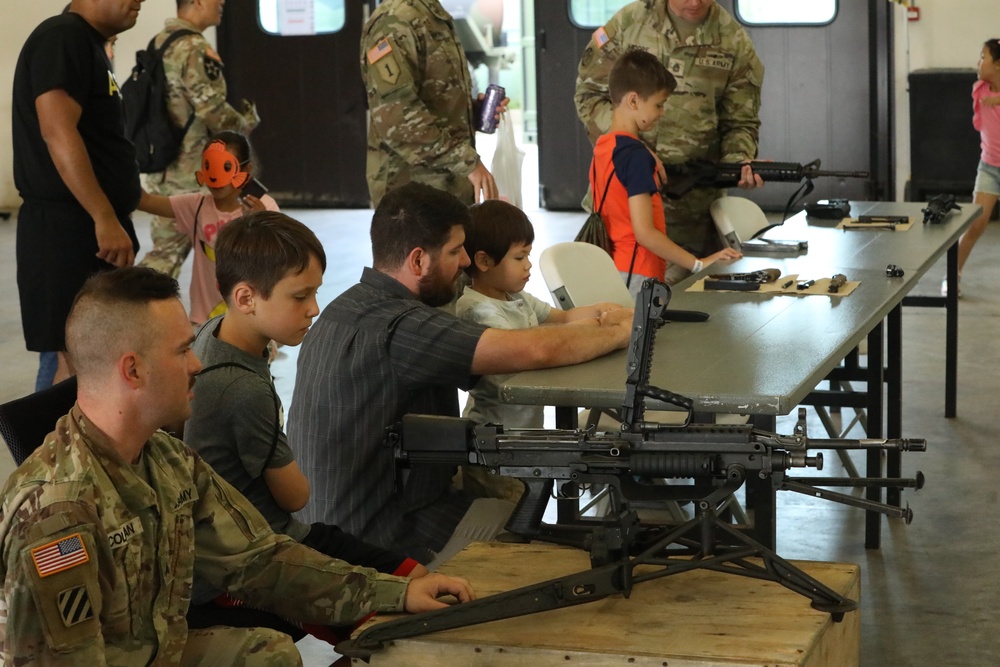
pixel 593 166
pixel 171 38
pixel 274 397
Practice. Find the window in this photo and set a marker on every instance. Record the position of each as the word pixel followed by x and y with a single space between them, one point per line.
pixel 784 12
pixel 301 17
pixel 592 13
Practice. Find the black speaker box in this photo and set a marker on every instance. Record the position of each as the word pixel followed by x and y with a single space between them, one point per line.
pixel 944 147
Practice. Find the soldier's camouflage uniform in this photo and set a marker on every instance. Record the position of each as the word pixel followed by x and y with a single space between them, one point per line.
pixel 195 85
pixel 712 115
pixel 420 97
pixel 133 536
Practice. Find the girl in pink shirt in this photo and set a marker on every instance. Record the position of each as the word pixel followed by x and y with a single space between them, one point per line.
pixel 225 169
pixel 986 119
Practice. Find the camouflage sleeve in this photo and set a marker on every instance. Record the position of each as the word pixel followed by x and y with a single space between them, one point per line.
pixel 205 89
pixel 399 116
pixel 739 107
pixel 593 102
pixel 236 551
pixel 58 593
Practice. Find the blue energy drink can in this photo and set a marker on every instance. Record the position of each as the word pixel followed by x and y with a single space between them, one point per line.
pixel 487 113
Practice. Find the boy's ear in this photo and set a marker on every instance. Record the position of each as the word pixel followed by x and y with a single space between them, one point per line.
pixel 631 99
pixel 483 261
pixel 244 298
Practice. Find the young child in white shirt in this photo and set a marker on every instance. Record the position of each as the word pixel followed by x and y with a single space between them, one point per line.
pixel 498 241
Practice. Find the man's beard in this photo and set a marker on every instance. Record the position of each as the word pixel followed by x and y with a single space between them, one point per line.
pixel 437 290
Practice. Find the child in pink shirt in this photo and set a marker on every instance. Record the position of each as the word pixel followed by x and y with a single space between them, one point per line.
pixel 986 119
pixel 225 170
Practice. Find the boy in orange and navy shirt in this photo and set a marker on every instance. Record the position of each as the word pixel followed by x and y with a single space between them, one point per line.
pixel 625 175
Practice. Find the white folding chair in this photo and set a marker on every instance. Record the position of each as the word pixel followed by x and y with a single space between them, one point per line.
pixel 580 274
pixel 738 220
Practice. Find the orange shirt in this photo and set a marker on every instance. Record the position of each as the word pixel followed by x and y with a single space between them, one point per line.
pixel 634 174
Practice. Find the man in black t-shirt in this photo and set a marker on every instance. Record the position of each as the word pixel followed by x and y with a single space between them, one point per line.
pixel 73 167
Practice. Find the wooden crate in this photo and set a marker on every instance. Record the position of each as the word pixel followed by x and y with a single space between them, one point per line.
pixel 694 619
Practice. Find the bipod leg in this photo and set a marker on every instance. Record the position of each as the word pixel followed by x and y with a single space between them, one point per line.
pixel 777 569
pixel 730 557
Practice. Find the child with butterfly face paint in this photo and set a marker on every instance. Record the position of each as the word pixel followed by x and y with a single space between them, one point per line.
pixel 226 168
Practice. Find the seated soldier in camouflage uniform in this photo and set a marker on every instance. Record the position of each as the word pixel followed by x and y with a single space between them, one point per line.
pixel 105 525
pixel 196 99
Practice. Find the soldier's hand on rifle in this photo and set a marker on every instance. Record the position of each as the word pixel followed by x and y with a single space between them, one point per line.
pixel 422 594
pixel 483 185
pixel 749 180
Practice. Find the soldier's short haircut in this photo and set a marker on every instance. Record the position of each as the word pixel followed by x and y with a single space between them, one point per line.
pixel 495 226
pixel 993 46
pixel 111 316
pixel 414 215
pixel 639 71
pixel 262 248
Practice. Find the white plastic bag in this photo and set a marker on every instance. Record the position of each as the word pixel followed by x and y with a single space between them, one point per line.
pixel 507 161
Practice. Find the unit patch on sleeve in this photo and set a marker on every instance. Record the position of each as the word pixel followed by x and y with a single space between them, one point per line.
pixel 74 605
pixel 387 67
pixel 60 555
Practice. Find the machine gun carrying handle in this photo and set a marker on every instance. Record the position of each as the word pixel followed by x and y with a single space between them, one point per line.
pixel 527 515
pixel 667 397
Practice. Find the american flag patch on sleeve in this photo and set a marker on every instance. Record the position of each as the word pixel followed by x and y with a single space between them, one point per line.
pixel 60 555
pixel 601 36
pixel 383 48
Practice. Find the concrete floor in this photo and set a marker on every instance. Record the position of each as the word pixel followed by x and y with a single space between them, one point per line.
pixel 928 595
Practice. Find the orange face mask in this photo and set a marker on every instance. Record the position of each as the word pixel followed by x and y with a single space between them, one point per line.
pixel 219 168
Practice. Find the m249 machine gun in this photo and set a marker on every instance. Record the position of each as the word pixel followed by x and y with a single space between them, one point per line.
pixel 718 458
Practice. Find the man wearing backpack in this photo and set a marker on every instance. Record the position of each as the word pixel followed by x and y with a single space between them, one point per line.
pixel 196 99
pixel 73 167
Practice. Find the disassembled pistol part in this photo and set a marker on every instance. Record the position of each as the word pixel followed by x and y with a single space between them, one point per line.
pixel 838 281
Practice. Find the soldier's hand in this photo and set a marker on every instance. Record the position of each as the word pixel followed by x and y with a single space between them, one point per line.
pixel 422 594
pixel 418 571
pixel 113 245
pixel 250 114
pixel 748 179
pixel 483 185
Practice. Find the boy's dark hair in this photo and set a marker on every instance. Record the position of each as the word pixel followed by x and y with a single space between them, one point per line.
pixel 494 227
pixel 639 71
pixel 110 315
pixel 993 45
pixel 414 215
pixel 261 248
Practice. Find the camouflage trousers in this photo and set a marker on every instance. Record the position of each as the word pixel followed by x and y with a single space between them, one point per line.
pixel 240 647
pixel 170 247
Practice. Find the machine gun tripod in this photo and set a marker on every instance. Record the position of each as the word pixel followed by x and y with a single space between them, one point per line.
pixel 623 551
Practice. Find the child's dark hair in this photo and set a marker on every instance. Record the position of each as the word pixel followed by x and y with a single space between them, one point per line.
pixel 239 145
pixel 495 226
pixel 993 45
pixel 261 248
pixel 639 71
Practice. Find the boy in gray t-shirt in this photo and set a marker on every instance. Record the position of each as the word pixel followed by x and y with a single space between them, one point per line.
pixel 237 422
